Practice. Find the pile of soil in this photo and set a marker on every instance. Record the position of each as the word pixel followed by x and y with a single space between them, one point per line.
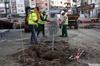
pixel 42 55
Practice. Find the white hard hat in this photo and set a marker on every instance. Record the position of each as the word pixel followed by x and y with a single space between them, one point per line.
pixel 31 10
pixel 62 12
pixel 32 6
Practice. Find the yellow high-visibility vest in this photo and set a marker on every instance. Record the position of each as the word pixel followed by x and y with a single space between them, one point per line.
pixel 66 21
pixel 32 17
pixel 41 21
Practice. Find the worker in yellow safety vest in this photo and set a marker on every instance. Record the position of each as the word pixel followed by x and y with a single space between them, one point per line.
pixel 41 23
pixel 32 22
pixel 64 25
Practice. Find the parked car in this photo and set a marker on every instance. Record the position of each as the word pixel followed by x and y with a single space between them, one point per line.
pixel 83 19
pixel 5 24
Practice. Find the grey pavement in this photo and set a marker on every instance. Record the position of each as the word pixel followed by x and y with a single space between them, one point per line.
pixel 16 40
pixel 14 34
pixel 10 43
pixel 93 25
pixel 3 32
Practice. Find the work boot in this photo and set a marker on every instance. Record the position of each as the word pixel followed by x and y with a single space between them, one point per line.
pixel 61 36
pixel 65 36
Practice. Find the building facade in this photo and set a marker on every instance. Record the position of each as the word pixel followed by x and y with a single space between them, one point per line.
pixel 12 7
pixel 4 8
pixel 96 10
pixel 91 7
pixel 62 3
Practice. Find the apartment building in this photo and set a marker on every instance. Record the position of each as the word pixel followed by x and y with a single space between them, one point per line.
pixel 91 7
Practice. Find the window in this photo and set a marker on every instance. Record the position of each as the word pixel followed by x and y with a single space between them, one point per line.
pixel 1 1
pixel 91 1
pixel 60 2
pixel 6 0
pixel 74 0
pixel 68 0
pixel 52 2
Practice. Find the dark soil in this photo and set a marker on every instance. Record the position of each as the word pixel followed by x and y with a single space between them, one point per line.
pixel 42 55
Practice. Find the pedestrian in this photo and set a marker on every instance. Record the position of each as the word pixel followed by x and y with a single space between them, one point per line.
pixel 41 23
pixel 64 25
pixel 32 22
pixel 99 15
pixel 98 19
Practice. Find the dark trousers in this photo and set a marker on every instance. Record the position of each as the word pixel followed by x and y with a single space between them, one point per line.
pixel 64 31
pixel 33 34
pixel 41 28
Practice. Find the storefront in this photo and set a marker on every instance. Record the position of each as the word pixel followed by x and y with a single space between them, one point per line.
pixel 89 10
pixel 86 8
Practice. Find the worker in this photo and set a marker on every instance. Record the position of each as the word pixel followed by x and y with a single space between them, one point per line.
pixel 32 22
pixel 41 23
pixel 64 24
pixel 37 11
pixel 61 19
pixel 26 27
pixel 98 15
